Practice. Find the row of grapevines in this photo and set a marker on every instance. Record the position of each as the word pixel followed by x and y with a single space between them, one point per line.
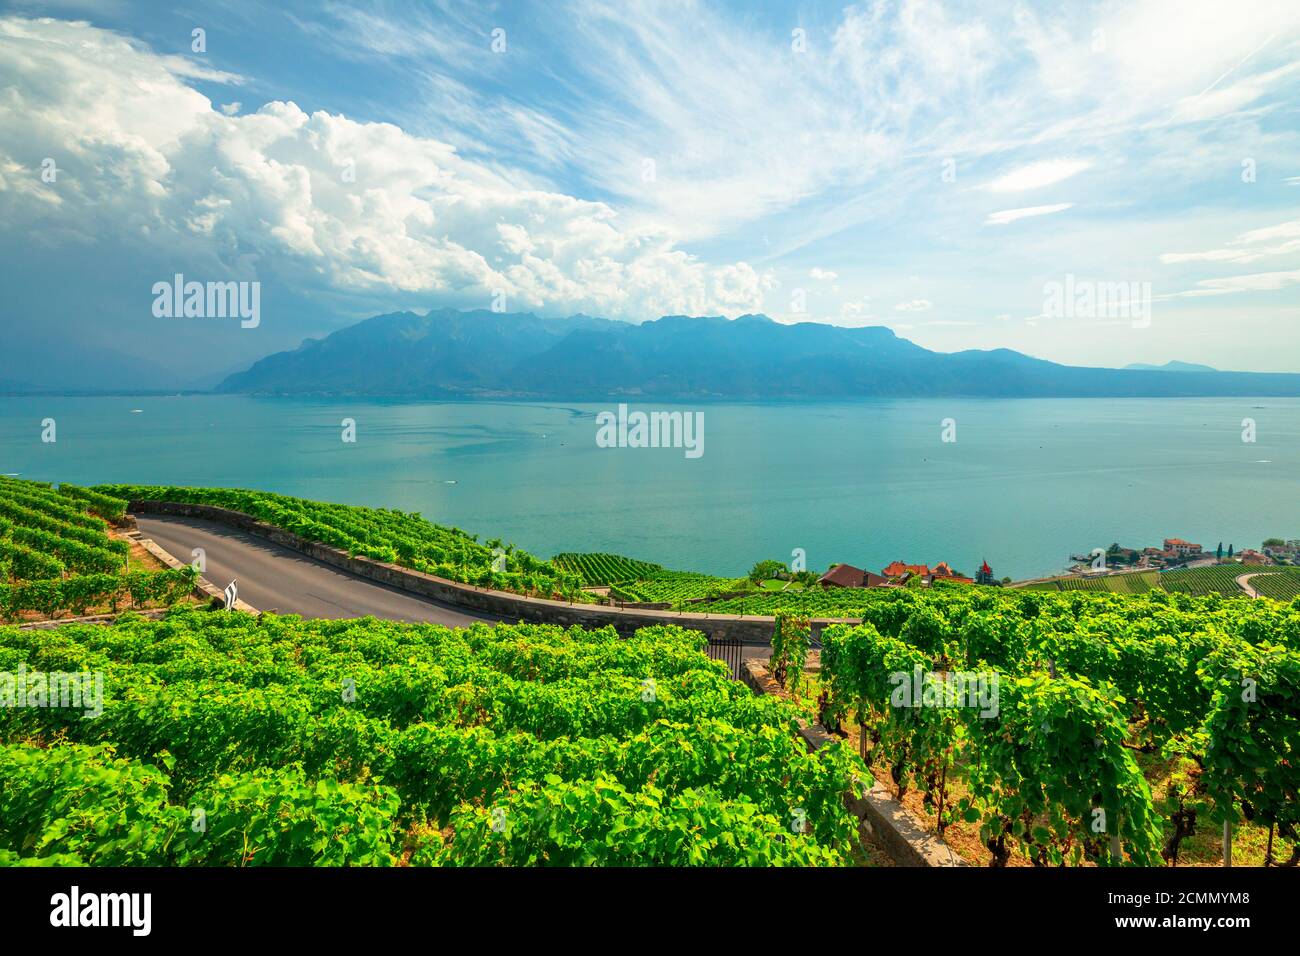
pixel 508 744
pixel 677 587
pixel 80 592
pixel 1212 682
pixel 382 534
pixel 599 569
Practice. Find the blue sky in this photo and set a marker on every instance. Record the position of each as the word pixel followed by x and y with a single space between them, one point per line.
pixel 932 167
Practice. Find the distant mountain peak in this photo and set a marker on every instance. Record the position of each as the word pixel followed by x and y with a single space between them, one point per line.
pixel 1171 366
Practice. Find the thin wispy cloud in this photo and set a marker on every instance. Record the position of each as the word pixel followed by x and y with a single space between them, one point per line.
pixel 1256 282
pixel 1005 216
pixel 1282 239
pixel 1038 175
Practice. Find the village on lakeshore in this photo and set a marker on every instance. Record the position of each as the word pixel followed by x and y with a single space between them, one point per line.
pixel 1179 553
pixel 1174 554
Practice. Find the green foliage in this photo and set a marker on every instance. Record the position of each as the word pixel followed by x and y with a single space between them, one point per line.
pixel 55 557
pixel 106 506
pixel 381 534
pixel 1084 683
pixel 599 569
pixel 372 742
pixel 79 592
pixel 766 570
pixel 676 588
pixel 790 640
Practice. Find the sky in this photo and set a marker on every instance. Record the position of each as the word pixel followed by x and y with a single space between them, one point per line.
pixel 937 168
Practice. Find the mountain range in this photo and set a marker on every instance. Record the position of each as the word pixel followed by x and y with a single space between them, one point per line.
pixel 1171 367
pixel 478 354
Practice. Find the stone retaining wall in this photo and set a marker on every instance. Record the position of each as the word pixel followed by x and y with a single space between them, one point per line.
pixel 503 604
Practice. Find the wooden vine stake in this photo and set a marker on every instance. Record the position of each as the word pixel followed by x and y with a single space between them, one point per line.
pixel 1227 838
pixel 1116 849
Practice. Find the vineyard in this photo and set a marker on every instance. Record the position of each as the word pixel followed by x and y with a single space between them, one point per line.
pixel 57 556
pixel 1218 579
pixel 1279 583
pixel 383 535
pixel 677 587
pixel 600 569
pixel 1119 729
pixel 227 739
pixel 1282 586
pixel 812 602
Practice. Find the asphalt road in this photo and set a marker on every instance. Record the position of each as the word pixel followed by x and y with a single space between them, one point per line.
pixel 274 578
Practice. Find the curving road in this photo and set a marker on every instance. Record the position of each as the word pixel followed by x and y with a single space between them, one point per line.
pixel 1243 582
pixel 275 578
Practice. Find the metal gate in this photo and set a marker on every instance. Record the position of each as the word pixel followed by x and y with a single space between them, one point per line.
pixel 730 650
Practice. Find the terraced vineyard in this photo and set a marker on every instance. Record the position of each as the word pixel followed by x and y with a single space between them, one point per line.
pixel 1281 584
pixel 1218 579
pixel 677 587
pixel 811 602
pixel 1102 708
pixel 599 569
pixel 56 556
pixel 384 535
pixel 227 739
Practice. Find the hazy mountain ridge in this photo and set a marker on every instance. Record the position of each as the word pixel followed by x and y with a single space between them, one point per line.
pixel 447 353
pixel 1171 366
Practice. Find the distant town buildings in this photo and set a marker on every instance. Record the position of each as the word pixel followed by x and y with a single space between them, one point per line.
pixel 1287 552
pixel 898 569
pixel 1181 548
pixel 898 573
pixel 1178 552
pixel 847 576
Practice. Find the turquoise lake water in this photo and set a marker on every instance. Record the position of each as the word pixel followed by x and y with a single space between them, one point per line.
pixel 1025 484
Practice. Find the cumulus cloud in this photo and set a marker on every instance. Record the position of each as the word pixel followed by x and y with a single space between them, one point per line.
pixel 915 305
pixel 822 275
pixel 320 200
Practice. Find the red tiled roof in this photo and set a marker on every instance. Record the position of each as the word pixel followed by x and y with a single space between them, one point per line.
pixel 898 568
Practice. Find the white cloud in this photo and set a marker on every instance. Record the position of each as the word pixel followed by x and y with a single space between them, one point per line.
pixel 1283 230
pixel 1247 246
pixel 1037 175
pixel 1259 282
pixel 822 275
pixel 1006 216
pixel 915 305
pixel 318 199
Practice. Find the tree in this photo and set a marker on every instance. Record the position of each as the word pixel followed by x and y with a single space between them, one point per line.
pixel 1273 543
pixel 1229 550
pixel 1219 551
pixel 765 570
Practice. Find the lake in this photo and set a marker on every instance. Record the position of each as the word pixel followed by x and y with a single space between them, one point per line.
pixel 1024 484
